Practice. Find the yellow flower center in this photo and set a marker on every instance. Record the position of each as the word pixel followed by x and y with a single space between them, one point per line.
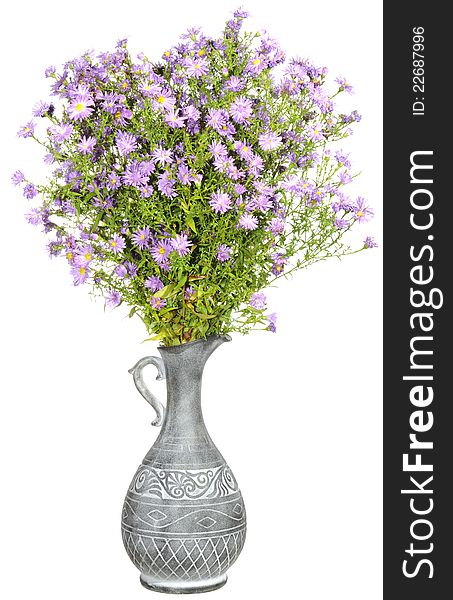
pixel 257 62
pixel 142 237
pixel 197 66
pixel 161 250
pixel 201 52
pixel 316 131
pixel 166 53
pixel 245 149
pixel 224 127
pixel 82 270
pixel 113 244
pixel 114 180
pixel 27 129
pixel 69 255
pixel 87 255
pixel 118 115
pixel 79 106
pixel 360 213
pixel 125 85
pixel 161 99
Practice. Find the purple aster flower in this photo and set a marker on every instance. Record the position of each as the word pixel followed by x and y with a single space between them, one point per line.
pixel 125 142
pixel 196 67
pixel 141 237
pixel 40 108
pixel 315 132
pixel 33 217
pixel 256 64
pixel 272 320
pixel 62 132
pixel 181 244
pixel 81 107
pixel 277 226
pixel 164 101
pixel 17 178
pixel 189 293
pixel 134 176
pixel 345 177
pixel 241 109
pixel 174 120
pixel 161 250
pixel 120 271
pixel 217 119
pixel 258 300
pixel 30 191
pixel 262 203
pixel 162 156
pixel 362 211
pixel 146 191
pixel 157 302
pixel 235 84
pixel 117 244
pixel 370 242
pixel 154 284
pixel 344 85
pixel 166 185
pixel 220 202
pixel 217 149
pixel 86 145
pixel 343 159
pixel 112 299
pixel 279 262
pixel 269 141
pixel 131 268
pixel 49 159
pixel 113 181
pixel 255 165
pixel 340 223
pixel 244 150
pixel 223 253
pixel 184 174
pixel 239 189
pixel 80 274
pixel 27 130
pixel 248 222
pixel 83 256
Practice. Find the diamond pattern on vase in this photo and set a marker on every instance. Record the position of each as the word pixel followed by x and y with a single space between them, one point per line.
pixel 207 522
pixel 157 515
pixel 184 558
pixel 237 509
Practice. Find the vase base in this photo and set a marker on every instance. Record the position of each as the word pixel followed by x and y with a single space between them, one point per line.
pixel 182 587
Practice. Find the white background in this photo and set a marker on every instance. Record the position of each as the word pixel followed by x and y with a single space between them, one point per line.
pixel 297 414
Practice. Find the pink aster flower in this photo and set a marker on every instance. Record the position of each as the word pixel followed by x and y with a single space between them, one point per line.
pixel 86 145
pixel 269 141
pixel 161 250
pixel 80 108
pixel 196 67
pixel 241 109
pixel 220 202
pixel 181 244
pixel 248 222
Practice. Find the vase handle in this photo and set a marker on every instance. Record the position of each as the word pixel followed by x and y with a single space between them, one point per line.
pixel 136 371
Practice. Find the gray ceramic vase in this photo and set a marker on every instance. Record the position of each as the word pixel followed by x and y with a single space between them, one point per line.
pixel 183 519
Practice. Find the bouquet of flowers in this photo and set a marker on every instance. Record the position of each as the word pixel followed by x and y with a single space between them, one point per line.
pixel 184 187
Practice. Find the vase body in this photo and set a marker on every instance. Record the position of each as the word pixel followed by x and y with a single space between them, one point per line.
pixel 184 520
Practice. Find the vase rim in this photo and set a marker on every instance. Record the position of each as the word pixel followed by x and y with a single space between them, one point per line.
pixel 180 347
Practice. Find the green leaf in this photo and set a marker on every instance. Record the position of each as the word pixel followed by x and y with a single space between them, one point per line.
pixel 191 223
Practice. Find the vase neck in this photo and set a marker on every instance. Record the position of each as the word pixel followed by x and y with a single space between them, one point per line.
pixel 184 367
